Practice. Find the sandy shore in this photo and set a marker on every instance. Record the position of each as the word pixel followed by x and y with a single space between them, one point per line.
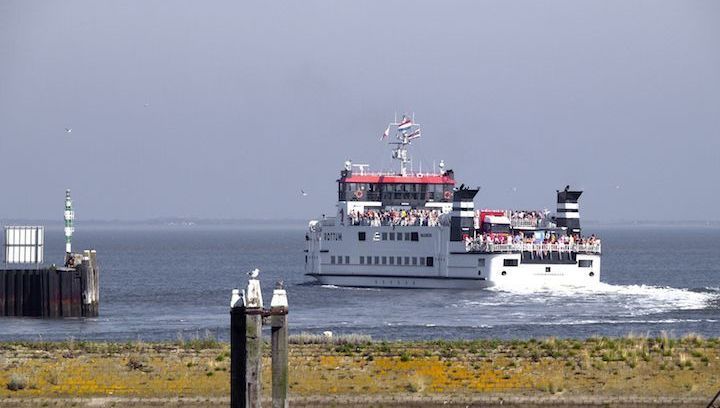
pixel 633 371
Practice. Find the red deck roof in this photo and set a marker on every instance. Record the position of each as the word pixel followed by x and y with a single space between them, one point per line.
pixel 398 179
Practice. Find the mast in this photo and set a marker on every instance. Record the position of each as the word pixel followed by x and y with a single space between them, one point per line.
pixel 406 131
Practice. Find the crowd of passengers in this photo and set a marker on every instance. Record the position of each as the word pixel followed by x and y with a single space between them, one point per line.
pixel 534 218
pixel 376 218
pixel 537 238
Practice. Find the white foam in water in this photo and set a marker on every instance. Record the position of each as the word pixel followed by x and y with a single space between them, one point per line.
pixel 636 299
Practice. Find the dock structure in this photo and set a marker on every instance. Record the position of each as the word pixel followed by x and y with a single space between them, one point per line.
pixel 51 292
pixel 30 289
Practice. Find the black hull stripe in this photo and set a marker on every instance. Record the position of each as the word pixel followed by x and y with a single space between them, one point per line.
pixel 346 275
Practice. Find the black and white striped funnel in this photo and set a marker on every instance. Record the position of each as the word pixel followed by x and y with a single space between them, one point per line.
pixel 568 210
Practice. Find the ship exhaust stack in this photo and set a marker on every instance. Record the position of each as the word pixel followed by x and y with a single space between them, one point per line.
pixel 462 217
pixel 568 210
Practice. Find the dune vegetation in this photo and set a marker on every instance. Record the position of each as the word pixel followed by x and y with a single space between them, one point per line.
pixel 356 366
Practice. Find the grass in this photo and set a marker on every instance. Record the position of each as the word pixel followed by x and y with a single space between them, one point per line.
pixel 355 365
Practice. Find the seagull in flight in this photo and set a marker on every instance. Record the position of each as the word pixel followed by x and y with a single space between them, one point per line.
pixel 68 130
pixel 303 193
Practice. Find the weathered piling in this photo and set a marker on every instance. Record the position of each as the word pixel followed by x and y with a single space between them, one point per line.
pixel 253 334
pixel 279 346
pixel 50 292
pixel 238 351
pixel 246 319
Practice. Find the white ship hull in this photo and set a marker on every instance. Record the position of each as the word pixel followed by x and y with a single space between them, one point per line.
pixel 337 256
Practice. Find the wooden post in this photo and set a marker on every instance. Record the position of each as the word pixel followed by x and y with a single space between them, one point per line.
pixel 238 351
pixel 10 293
pixel 278 323
pixel 253 334
pixel 2 293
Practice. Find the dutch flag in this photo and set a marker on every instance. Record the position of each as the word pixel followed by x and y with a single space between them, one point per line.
pixel 405 124
pixel 414 135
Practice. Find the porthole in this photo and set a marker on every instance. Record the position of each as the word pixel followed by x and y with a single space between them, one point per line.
pixel 503 273
pixel 592 273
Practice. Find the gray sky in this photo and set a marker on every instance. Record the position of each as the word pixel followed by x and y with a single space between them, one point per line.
pixel 250 101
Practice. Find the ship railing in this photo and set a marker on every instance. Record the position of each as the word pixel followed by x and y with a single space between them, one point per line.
pixel 594 248
pixel 524 223
pixel 394 223
pixel 328 222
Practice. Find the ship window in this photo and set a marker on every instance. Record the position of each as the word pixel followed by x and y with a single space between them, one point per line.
pixel 392 236
pixel 414 236
pixel 429 261
pixel 407 236
pixel 585 263
pixel 339 260
pixel 481 261
pixel 414 260
pixel 392 260
pixel 369 260
pixel 347 259
pixel 384 236
pixel 547 269
pixel 377 259
pixel 362 260
pixel 384 260
pixel 332 259
pixel 361 236
pixel 399 236
pixel 305 258
pixel 399 260
pixel 407 260
pixel 510 262
pixel 422 261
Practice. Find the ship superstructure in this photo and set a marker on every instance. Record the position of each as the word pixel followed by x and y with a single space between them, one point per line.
pixel 411 229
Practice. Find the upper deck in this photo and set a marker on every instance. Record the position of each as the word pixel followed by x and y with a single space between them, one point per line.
pixel 413 190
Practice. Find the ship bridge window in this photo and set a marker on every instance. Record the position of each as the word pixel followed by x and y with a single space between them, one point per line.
pixel 384 260
pixel 362 260
pixel 332 259
pixel 347 259
pixel 429 261
pixel 414 260
pixel 392 236
pixel 339 260
pixel 392 260
pixel 414 236
pixel 510 262
pixel 585 263
pixel 384 236
pixel 399 236
pixel 361 236
pixel 422 261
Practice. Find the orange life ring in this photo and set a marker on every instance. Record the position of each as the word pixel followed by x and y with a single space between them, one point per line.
pixel 447 195
pixel 358 194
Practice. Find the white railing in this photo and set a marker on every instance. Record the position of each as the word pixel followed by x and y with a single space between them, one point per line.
pixel 536 248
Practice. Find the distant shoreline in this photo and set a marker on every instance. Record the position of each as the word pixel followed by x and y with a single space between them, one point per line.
pixel 188 222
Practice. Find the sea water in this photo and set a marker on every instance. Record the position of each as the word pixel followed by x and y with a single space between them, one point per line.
pixel 164 282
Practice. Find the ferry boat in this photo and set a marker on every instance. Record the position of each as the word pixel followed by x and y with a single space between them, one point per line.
pixel 419 229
